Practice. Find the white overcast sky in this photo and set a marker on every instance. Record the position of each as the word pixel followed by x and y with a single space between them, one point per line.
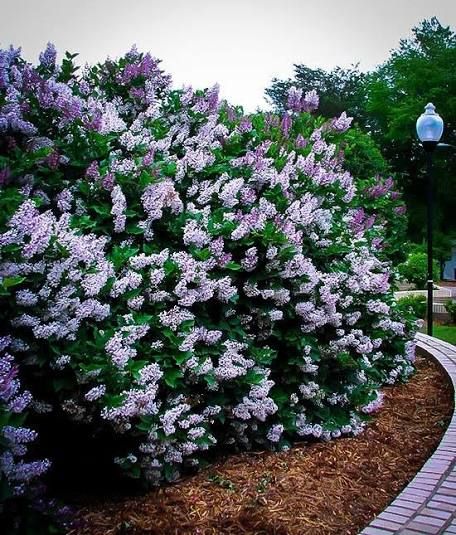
pixel 241 44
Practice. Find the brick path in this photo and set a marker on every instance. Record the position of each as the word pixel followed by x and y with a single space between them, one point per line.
pixel 428 504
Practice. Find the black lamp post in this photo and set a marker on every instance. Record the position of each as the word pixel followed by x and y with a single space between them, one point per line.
pixel 429 128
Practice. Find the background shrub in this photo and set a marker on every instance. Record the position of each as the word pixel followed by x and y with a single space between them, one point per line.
pixel 414 270
pixel 451 309
pixel 185 278
pixel 416 304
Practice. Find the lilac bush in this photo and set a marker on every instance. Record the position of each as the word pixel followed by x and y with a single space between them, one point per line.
pixel 184 275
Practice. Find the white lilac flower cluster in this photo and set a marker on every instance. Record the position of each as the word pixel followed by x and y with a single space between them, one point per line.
pixel 187 276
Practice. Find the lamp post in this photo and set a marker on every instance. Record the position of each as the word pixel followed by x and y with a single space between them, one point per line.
pixel 429 128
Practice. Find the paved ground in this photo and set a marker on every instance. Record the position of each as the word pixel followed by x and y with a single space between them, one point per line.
pixel 428 504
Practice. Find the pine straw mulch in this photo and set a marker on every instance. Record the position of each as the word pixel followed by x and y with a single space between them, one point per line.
pixel 321 488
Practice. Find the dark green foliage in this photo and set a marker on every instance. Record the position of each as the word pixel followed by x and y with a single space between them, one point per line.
pixel 451 309
pixel 414 269
pixel 386 103
pixel 414 304
pixel 421 70
pixel 339 90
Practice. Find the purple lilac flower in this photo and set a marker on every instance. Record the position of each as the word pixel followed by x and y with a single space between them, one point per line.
pixel 257 404
pixel 18 473
pixel 26 298
pixel 120 347
pixel 7 58
pixel 342 123
pixel 110 120
pixel 286 124
pixel 300 142
pixel 250 261
pixel 400 210
pixel 275 432
pixel 150 373
pixel 375 405
pixel 195 235
pixel 311 101
pixel 64 200
pixel 49 56
pixel 95 393
pixel 108 181
pixel 155 198
pixel 294 97
pixel 296 102
pixel 245 125
pixel 92 172
pixel 229 192
pixel 174 317
pixel 119 206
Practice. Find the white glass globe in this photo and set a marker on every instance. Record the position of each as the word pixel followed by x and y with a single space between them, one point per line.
pixel 429 125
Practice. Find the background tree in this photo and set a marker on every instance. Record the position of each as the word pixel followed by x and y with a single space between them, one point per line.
pixel 385 104
pixel 339 90
pixel 421 70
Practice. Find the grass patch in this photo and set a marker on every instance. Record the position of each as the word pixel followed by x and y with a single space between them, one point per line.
pixel 446 333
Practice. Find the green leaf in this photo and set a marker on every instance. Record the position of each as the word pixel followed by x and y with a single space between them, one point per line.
pixel 102 209
pixel 253 377
pixel 62 383
pixel 279 395
pixel 145 424
pixel 346 360
pixel 233 266
pixel 9 282
pixel 133 228
pixel 210 379
pixel 172 377
pixel 182 356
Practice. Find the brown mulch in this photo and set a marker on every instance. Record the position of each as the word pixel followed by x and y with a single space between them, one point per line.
pixel 322 488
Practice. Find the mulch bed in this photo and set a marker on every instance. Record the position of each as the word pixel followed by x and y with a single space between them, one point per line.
pixel 321 488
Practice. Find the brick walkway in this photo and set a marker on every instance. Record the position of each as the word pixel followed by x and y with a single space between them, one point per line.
pixel 428 504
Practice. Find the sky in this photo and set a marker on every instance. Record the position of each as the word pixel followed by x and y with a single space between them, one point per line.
pixel 240 44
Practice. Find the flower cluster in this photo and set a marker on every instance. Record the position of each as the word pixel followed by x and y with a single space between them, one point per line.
pixel 186 276
pixel 18 472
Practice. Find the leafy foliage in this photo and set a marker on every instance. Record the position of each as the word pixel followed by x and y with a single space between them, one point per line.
pixel 416 304
pixel 386 103
pixel 414 269
pixel 451 309
pixel 419 71
pixel 340 90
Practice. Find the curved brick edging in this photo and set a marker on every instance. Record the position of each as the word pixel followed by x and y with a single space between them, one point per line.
pixel 428 504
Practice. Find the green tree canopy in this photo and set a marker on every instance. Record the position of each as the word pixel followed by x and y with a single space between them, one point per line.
pixel 339 90
pixel 421 70
pixel 386 103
